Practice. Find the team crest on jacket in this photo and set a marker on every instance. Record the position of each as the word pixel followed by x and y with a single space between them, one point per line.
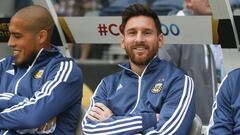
pixel 157 87
pixel 38 74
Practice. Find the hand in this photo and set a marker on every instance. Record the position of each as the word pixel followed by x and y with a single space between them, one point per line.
pixel 50 124
pixel 47 128
pixel 99 112
pixel 158 117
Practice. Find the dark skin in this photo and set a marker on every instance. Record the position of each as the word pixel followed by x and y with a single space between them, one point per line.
pixel 30 30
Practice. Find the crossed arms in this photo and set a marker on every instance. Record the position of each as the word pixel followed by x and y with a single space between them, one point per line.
pixel 175 116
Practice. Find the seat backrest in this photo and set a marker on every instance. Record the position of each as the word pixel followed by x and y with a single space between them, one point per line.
pixel 196 126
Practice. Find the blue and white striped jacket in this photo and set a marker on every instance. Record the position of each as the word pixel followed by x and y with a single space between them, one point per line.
pixel 135 100
pixel 225 119
pixel 29 97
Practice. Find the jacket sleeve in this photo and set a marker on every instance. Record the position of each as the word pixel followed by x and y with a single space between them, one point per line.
pixel 129 124
pixel 9 99
pixel 1 67
pixel 221 121
pixel 63 88
pixel 178 110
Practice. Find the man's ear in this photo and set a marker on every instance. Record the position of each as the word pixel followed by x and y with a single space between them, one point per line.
pixel 122 41
pixel 188 4
pixel 160 40
pixel 43 36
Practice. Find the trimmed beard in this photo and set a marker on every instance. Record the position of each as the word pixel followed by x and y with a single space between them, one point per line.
pixel 27 62
pixel 140 62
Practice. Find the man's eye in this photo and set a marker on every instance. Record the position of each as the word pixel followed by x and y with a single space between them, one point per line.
pixel 147 32
pixel 131 33
pixel 16 36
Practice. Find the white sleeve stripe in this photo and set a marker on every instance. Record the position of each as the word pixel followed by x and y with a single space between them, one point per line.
pixel 5 133
pixel 117 131
pixel 176 113
pixel 43 88
pixel 5 98
pixel 59 80
pixel 211 122
pixel 22 104
pixel 114 127
pixel 68 73
pixel 2 59
pixel 179 110
pixel 115 122
pixel 92 104
pixel 55 79
pixel 87 126
pixel 9 95
pixel 46 91
pixel 185 111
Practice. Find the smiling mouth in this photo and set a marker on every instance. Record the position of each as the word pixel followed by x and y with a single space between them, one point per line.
pixel 16 52
pixel 140 49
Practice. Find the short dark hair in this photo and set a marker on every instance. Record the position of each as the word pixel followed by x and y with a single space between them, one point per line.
pixel 139 10
pixel 39 18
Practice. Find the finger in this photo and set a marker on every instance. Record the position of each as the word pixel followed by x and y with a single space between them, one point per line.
pixel 102 106
pixel 92 118
pixel 97 110
pixel 94 114
pixel 51 123
pixel 54 120
pixel 42 128
pixel 45 127
pixel 105 109
pixel 48 126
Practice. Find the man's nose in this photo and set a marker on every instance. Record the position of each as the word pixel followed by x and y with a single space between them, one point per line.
pixel 11 42
pixel 139 38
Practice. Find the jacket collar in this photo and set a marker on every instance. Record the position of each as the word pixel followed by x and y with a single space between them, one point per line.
pixel 43 54
pixel 46 53
pixel 152 65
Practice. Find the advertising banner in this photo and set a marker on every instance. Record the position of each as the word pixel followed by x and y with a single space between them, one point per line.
pixel 176 29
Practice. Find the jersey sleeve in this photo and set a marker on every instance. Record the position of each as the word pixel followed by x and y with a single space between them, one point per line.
pixel 9 99
pixel 62 89
pixel 129 124
pixel 1 67
pixel 221 121
pixel 176 115
pixel 178 110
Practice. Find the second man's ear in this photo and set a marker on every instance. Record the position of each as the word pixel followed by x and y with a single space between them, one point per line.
pixel 43 35
pixel 160 40
pixel 122 41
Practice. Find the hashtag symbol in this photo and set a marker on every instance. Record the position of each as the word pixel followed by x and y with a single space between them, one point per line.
pixel 102 29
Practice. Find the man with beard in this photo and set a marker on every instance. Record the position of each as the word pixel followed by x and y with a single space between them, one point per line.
pixel 40 90
pixel 149 96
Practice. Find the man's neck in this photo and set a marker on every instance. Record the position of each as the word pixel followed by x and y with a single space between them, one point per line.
pixel 137 68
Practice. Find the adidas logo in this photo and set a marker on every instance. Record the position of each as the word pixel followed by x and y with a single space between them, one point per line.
pixel 11 71
pixel 119 87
